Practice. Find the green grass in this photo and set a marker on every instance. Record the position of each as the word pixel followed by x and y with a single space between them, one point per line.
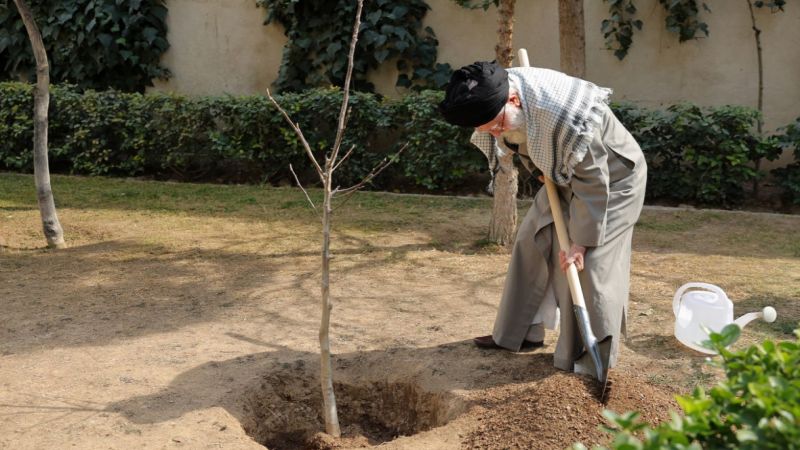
pixel 365 211
pixel 678 221
pixel 114 193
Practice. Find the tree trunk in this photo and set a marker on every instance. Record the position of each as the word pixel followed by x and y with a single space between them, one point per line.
pixel 331 416
pixel 504 208
pixel 757 33
pixel 41 170
pixel 572 37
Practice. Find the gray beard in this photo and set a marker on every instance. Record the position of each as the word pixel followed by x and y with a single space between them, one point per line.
pixel 517 136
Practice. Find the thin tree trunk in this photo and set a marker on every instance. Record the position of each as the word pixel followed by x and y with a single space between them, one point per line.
pixel 41 170
pixel 325 172
pixel 759 125
pixel 326 370
pixel 504 208
pixel 572 37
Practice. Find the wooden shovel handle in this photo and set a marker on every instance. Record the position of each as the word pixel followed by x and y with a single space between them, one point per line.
pixel 558 219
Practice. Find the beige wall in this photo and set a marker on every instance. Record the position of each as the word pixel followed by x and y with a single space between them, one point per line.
pixel 221 46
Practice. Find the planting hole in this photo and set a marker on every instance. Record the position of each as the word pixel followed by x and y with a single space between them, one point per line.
pixel 285 412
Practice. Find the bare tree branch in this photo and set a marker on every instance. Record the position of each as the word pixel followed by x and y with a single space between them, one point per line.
pixel 344 158
pixel 300 185
pixel 299 133
pixel 386 162
pixel 346 89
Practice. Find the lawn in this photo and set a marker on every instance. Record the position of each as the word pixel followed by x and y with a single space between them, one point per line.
pixel 186 315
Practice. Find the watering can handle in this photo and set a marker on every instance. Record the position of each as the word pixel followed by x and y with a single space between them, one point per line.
pixel 676 302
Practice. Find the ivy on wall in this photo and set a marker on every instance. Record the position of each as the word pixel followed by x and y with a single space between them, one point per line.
pixel 683 18
pixel 319 40
pixel 96 44
pixel 477 4
pixel 618 28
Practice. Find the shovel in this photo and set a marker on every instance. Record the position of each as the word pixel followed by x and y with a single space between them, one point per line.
pixel 595 357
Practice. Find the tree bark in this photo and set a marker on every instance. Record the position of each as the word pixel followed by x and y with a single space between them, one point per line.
pixel 504 208
pixel 331 415
pixel 41 170
pixel 572 37
pixel 759 125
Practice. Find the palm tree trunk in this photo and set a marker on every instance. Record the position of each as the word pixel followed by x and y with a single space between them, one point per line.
pixel 41 170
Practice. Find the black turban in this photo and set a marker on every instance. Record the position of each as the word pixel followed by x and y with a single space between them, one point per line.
pixel 475 94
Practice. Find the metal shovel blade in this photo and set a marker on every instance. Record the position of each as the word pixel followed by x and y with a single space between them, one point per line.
pixel 596 355
pixel 594 361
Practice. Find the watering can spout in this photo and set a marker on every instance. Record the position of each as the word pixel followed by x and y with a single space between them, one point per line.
pixel 768 314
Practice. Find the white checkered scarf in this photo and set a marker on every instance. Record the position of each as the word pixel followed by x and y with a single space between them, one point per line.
pixel 561 114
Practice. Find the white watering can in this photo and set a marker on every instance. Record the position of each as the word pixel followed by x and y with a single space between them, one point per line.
pixel 698 305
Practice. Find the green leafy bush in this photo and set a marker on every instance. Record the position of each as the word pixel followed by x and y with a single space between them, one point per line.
pixel 698 155
pixel 756 407
pixel 439 154
pixel 695 155
pixel 236 139
pixel 97 44
pixel 789 176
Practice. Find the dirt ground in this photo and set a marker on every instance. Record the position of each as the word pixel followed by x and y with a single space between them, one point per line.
pixel 179 328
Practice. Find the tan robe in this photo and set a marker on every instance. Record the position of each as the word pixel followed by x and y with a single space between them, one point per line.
pixel 601 204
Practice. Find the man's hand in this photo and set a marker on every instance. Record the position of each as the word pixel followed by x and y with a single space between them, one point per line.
pixel 576 253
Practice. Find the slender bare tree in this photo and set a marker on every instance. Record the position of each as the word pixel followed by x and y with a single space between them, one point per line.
pixel 760 105
pixel 41 95
pixel 572 37
pixel 325 173
pixel 504 206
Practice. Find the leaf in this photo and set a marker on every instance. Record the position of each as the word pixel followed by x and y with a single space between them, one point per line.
pixel 746 435
pixel 381 55
pixel 149 34
pixel 105 39
pixel 374 17
pixel 730 334
pixel 333 48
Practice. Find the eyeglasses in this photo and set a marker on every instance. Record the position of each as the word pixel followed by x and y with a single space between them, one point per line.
pixel 498 127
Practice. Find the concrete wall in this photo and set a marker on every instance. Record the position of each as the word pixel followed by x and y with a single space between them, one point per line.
pixel 221 46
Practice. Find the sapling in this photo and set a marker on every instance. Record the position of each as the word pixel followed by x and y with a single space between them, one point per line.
pixel 325 172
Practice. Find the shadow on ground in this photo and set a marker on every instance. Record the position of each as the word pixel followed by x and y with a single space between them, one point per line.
pixel 447 367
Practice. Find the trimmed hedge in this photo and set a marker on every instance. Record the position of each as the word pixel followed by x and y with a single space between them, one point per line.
pixel 237 139
pixel 695 155
pixel 698 155
pixel 789 176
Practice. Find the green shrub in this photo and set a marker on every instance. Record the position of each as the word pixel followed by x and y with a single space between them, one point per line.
pixel 756 407
pixel 438 154
pixel 789 177
pixel 698 155
pixel 236 139
pixel 695 155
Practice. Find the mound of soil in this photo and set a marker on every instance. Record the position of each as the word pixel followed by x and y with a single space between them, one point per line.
pixel 521 403
pixel 560 410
